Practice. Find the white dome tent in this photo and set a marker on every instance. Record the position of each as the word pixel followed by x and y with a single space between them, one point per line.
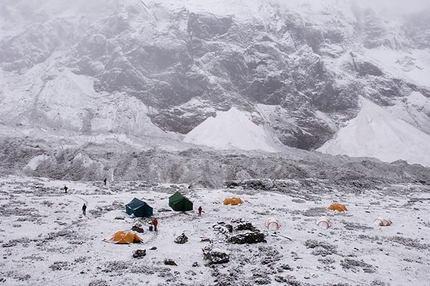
pixel 272 224
pixel 323 222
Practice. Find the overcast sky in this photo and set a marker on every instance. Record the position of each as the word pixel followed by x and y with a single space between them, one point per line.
pixel 398 6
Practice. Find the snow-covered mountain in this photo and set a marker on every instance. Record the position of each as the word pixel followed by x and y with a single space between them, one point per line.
pixel 93 85
pixel 290 105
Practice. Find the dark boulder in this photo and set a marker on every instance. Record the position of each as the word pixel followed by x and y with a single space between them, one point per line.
pixel 249 238
pixel 215 256
pixel 139 253
pixel 181 239
pixel 169 261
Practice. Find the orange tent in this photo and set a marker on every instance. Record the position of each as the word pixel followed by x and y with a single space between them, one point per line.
pixel 337 207
pixel 232 201
pixel 125 237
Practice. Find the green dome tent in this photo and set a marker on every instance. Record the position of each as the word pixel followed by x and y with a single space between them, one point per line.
pixel 180 203
pixel 138 208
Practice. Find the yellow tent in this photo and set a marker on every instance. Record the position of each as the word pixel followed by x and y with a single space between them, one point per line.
pixel 337 207
pixel 232 201
pixel 125 237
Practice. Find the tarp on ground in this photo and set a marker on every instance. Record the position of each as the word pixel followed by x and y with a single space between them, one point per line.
pixel 180 203
pixel 138 208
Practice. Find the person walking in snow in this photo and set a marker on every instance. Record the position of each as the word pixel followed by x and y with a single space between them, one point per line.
pixel 84 209
pixel 155 223
pixel 105 180
pixel 200 209
pixel 65 189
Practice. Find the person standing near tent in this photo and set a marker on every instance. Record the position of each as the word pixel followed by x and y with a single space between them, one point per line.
pixel 84 209
pixel 200 209
pixel 155 223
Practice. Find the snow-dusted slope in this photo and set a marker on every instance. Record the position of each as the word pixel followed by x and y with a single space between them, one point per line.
pixel 68 101
pixel 229 130
pixel 411 65
pixel 375 132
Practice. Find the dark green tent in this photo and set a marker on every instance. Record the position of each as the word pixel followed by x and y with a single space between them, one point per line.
pixel 180 203
pixel 138 208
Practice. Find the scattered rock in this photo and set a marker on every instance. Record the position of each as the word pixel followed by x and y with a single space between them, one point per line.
pixel 181 239
pixel 59 265
pixel 137 228
pixel 215 256
pixel 206 240
pixel 354 265
pixel 99 283
pixel 249 237
pixel 320 248
pixel 139 253
pixel 169 261
pixel 245 226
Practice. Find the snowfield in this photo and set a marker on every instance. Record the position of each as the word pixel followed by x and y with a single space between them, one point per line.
pixel 45 239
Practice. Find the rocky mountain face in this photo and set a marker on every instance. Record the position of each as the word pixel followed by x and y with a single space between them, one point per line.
pixel 184 65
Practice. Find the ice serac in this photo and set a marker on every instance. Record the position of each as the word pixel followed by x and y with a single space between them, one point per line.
pixel 229 130
pixel 375 132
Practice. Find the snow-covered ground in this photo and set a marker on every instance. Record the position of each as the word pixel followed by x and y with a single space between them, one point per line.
pixel 45 239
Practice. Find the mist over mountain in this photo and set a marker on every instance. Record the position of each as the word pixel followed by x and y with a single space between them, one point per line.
pixel 111 88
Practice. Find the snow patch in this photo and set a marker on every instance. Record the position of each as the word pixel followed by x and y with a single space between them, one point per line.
pixel 35 161
pixel 375 132
pixel 229 130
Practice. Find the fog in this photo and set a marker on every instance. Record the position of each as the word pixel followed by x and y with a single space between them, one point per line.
pixel 394 7
pixel 94 7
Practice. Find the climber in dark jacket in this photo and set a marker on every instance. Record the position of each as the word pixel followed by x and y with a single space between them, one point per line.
pixel 84 209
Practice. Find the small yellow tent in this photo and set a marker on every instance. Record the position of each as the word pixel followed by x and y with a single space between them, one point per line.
pixel 125 237
pixel 337 207
pixel 232 201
